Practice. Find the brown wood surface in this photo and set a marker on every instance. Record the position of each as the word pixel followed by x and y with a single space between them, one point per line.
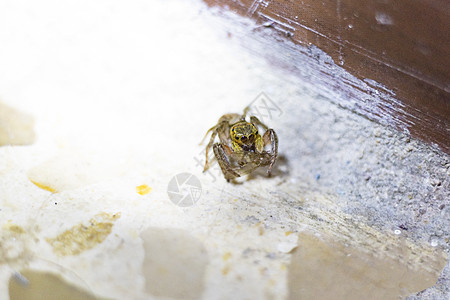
pixel 404 45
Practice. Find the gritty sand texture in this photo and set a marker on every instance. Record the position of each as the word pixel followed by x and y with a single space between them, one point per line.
pixel 122 93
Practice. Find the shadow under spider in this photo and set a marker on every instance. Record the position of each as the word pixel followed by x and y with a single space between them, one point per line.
pixel 280 169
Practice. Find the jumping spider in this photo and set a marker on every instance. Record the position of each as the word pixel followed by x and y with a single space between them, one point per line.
pixel 241 149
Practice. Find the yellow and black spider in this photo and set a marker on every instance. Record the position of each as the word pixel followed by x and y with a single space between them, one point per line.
pixel 241 148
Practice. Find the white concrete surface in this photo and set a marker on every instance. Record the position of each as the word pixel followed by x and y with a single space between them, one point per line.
pixel 121 94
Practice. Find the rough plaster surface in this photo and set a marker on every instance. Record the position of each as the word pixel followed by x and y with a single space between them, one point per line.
pixel 16 128
pixel 173 258
pixel 121 95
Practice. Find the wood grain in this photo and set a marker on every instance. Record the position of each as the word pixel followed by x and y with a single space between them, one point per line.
pixel 403 45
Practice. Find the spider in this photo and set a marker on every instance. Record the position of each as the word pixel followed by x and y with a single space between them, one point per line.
pixel 241 149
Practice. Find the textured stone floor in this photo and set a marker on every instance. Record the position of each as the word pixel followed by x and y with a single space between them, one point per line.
pixel 103 103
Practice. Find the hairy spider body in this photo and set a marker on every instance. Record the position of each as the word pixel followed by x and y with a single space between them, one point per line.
pixel 241 149
pixel 245 137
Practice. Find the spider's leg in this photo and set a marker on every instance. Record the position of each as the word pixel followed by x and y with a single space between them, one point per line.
pixel 246 109
pixel 211 141
pixel 231 118
pixel 224 134
pixel 222 153
pixel 255 121
pixel 248 161
pixel 209 130
pixel 270 137
pixel 227 118
pixel 223 130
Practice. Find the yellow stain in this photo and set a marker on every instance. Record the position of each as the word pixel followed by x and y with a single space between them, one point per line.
pixel 43 186
pixel 143 189
pixel 226 256
pixel 288 233
pixel 226 270
pixel 261 230
pixel 162 270
pixel 13 228
pixel 83 237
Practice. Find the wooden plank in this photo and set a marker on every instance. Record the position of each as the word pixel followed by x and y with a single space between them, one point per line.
pixel 404 45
